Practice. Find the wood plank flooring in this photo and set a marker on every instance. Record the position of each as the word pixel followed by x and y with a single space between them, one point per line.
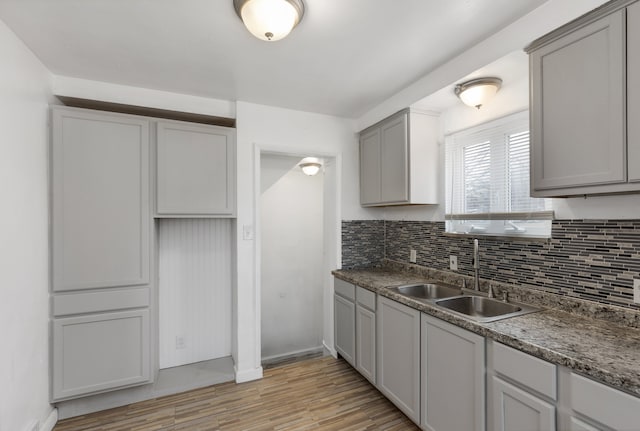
pixel 317 394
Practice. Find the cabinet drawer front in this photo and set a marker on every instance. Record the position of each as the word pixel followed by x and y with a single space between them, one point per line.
pixel 613 408
pixel 93 302
pixel 366 298
pixel 100 352
pixel 532 372
pixel 345 289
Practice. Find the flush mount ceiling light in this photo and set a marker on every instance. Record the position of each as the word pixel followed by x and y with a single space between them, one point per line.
pixel 269 20
pixel 478 91
pixel 310 165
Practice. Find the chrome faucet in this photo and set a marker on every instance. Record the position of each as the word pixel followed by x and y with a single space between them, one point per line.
pixel 476 266
pixel 476 270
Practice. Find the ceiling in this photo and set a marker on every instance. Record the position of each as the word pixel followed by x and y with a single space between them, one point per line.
pixel 343 59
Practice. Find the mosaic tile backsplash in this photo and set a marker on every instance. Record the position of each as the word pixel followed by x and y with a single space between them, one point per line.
pixel 593 260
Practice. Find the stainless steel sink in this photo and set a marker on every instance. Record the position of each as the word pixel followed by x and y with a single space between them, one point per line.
pixel 482 309
pixel 427 291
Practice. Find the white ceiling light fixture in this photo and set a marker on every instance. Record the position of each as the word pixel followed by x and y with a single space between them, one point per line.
pixel 269 20
pixel 310 166
pixel 478 91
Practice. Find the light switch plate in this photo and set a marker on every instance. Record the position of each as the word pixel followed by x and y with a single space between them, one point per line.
pixel 412 256
pixel 636 291
pixel 453 263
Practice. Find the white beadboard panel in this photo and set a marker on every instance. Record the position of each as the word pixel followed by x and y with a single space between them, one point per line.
pixel 194 290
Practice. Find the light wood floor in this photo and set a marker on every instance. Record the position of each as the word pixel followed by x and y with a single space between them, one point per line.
pixel 317 394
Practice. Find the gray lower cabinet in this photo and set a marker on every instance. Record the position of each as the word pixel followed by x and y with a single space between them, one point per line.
pixel 344 312
pixel 398 335
pixel 101 242
pixel 589 405
pixel 96 352
pixel 453 377
pixel 366 333
pixel 516 409
pixel 522 390
pixel 195 170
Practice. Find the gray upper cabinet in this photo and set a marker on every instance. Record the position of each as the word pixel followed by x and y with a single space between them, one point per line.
pixel 399 161
pixel 370 167
pixel 100 203
pixel 195 170
pixel 633 91
pixel 584 87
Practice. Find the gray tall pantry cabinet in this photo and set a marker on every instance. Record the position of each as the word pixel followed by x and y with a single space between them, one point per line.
pixel 101 242
pixel 105 168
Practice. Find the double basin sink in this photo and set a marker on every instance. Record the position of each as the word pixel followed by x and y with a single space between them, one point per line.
pixel 472 306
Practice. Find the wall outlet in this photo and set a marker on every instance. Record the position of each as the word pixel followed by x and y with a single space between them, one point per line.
pixel 453 263
pixel 412 256
pixel 636 291
pixel 181 343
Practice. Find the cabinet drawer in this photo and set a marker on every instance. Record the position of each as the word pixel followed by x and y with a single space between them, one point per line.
pixel 344 289
pixel 106 300
pixel 366 298
pixel 613 408
pixel 532 372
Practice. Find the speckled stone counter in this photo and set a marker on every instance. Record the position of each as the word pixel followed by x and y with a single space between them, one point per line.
pixel 598 341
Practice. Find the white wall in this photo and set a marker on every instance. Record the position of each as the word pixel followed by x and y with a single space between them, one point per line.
pixel 291 257
pixel 194 290
pixel 296 132
pixel 24 363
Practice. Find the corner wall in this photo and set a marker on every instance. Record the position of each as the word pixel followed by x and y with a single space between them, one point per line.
pixel 25 92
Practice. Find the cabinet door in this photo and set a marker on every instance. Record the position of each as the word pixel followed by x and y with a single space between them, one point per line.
pixel 100 205
pixel 370 167
pixel 394 161
pixel 453 377
pixel 578 108
pixel 195 170
pixel 398 334
pixel 576 424
pixel 98 352
pixel 517 410
pixel 633 91
pixel 366 343
pixel 345 331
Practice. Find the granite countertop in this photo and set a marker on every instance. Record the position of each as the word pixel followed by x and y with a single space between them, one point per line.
pixel 604 350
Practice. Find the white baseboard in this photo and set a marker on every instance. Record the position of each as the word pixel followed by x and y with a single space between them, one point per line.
pixel 248 375
pixel 50 421
pixel 331 350
pixel 293 353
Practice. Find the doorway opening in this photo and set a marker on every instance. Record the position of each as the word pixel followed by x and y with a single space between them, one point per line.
pixel 296 219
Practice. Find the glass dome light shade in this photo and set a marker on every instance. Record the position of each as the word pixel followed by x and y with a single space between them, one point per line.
pixel 478 91
pixel 269 20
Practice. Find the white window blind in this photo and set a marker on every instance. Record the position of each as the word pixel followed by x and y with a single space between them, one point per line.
pixel 487 182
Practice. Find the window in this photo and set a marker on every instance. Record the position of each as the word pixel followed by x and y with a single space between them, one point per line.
pixel 487 182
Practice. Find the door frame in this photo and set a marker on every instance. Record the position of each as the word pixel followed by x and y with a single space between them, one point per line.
pixel 332 221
